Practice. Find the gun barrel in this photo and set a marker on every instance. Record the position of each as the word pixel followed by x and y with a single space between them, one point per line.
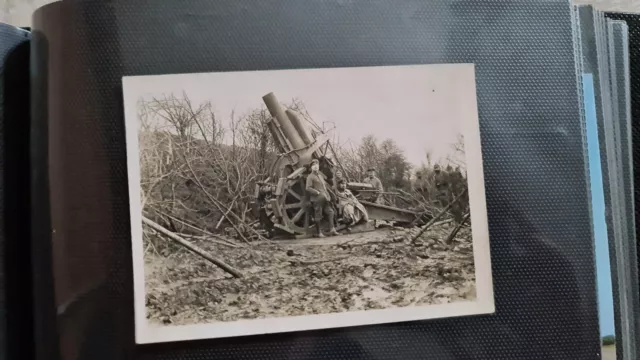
pixel 281 143
pixel 300 126
pixel 289 130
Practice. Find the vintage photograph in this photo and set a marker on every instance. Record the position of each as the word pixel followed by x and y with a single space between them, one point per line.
pixel 289 200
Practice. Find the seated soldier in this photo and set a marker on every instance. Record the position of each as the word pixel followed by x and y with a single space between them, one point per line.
pixel 349 208
pixel 375 182
pixel 337 176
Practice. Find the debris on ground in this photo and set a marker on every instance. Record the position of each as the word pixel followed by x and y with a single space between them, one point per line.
pixel 374 270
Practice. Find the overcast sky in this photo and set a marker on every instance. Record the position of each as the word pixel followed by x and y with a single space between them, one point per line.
pixel 423 108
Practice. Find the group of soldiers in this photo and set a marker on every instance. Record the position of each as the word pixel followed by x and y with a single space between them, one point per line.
pixel 326 199
pixel 443 187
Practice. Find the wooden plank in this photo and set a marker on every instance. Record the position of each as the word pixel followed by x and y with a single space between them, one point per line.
pixel 281 186
pixel 275 207
pixel 284 228
pixel 296 173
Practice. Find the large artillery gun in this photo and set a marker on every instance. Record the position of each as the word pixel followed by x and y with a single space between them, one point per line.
pixel 281 201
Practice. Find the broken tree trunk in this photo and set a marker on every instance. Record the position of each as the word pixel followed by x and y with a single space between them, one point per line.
pixel 453 234
pixel 194 249
pixel 438 216
pixel 183 222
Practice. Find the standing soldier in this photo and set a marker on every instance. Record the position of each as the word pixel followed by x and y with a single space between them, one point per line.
pixel 442 186
pixel 458 186
pixel 457 181
pixel 419 185
pixel 320 199
pixel 373 180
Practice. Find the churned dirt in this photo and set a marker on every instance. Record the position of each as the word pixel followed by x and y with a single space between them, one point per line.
pixel 373 270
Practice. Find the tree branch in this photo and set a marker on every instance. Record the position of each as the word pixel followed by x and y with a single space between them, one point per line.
pixel 194 249
pixel 435 218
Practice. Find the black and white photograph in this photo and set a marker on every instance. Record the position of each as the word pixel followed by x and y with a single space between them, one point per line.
pixel 289 200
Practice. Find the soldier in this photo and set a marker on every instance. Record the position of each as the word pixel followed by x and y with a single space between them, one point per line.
pixel 458 186
pixel 442 186
pixel 347 205
pixel 337 177
pixel 373 180
pixel 419 185
pixel 320 199
pixel 457 181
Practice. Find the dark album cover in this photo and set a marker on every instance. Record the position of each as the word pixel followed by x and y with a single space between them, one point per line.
pixel 529 138
pixel 15 266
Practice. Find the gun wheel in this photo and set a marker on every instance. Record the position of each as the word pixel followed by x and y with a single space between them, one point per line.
pixel 297 213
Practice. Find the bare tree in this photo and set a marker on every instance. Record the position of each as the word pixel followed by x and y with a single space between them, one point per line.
pixel 183 155
pixel 199 175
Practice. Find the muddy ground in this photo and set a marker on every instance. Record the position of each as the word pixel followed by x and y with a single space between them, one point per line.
pixel 373 270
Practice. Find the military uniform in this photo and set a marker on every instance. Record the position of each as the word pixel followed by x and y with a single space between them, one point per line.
pixel 458 187
pixel 320 199
pixel 377 185
pixel 420 186
pixel 350 208
pixel 441 183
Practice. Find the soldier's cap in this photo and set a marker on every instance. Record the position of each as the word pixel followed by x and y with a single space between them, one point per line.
pixel 315 161
pixel 371 169
pixel 342 181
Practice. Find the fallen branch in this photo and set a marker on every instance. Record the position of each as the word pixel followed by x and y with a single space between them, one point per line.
pixel 445 221
pixel 150 242
pixel 435 218
pixel 314 262
pixel 456 229
pixel 196 250
pixel 222 208
pixel 215 202
pixel 256 233
pixel 422 200
pixel 211 235
pixel 227 213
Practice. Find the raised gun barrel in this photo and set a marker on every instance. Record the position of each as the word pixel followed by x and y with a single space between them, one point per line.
pixel 280 203
pixel 300 127
pixel 291 135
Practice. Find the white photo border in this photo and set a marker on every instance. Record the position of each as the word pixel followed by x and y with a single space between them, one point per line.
pixel 484 303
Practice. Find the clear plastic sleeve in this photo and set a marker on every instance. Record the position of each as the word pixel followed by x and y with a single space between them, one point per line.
pixel 605 65
pixel 533 152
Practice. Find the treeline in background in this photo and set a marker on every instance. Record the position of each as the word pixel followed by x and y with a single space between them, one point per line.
pixel 199 171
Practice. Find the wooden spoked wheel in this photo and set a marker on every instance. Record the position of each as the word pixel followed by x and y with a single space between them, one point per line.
pixel 297 212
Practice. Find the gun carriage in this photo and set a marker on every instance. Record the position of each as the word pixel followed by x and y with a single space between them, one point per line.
pixel 281 202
